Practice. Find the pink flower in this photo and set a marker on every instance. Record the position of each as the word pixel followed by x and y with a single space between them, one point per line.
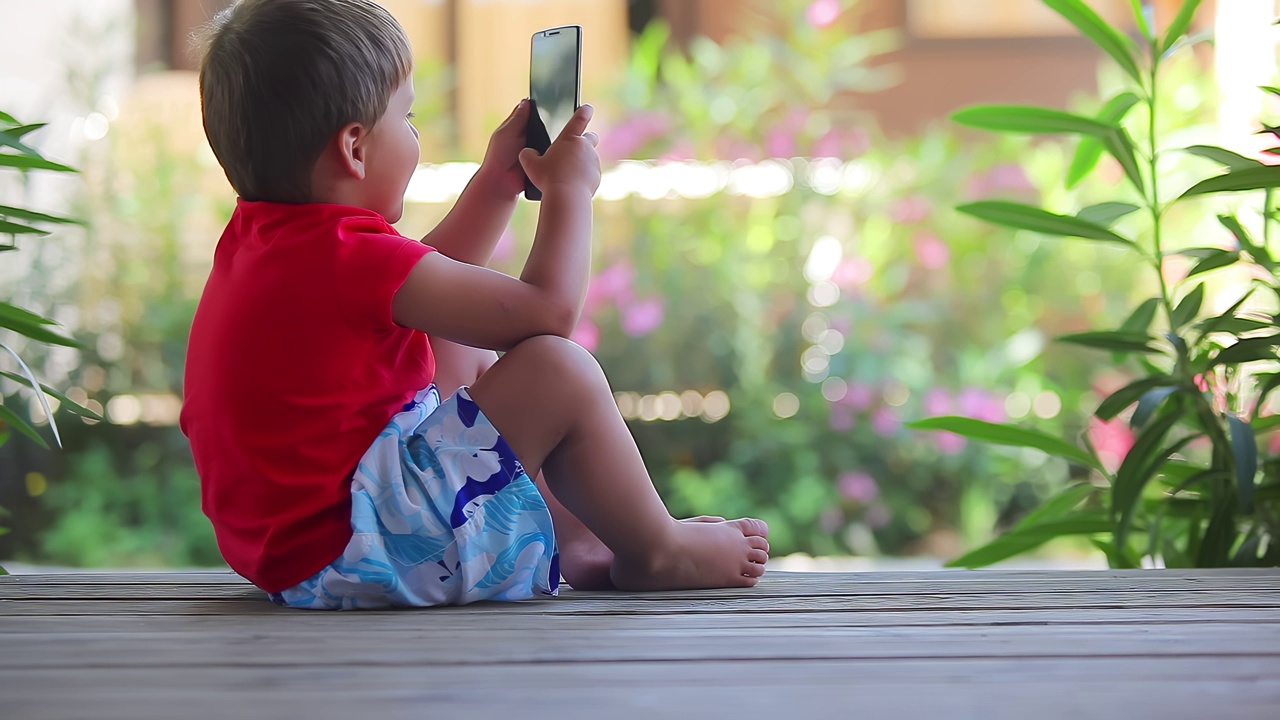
pixel 910 210
pixel 830 519
pixel 780 144
pixel 822 13
pixel 643 317
pixel 626 139
pixel 613 283
pixel 938 402
pixel 841 419
pixel 885 421
pixel 587 334
pixel 1113 440
pixel 860 396
pixel 949 443
pixel 681 151
pixel 852 272
pixel 1273 444
pixel 932 252
pixel 829 145
pixel 858 486
pixel 877 516
pixel 981 405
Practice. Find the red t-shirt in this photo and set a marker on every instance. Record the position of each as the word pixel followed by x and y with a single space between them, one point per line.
pixel 294 367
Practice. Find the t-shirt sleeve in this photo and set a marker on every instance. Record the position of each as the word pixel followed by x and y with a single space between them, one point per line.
pixel 371 268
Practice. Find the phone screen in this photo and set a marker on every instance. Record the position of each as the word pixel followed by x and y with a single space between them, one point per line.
pixel 554 83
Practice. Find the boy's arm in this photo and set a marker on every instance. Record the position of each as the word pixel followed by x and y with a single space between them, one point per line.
pixel 473 226
pixel 484 308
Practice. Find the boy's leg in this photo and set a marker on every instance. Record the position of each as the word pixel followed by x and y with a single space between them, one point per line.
pixel 551 402
pixel 584 560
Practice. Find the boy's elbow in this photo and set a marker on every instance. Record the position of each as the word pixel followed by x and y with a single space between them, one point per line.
pixel 562 320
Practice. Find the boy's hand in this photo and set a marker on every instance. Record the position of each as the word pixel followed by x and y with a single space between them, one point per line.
pixel 501 166
pixel 571 160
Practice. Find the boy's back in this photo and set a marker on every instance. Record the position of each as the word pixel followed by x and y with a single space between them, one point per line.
pixel 294 367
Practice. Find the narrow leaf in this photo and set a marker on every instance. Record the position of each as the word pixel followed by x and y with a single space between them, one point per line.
pixel 1257 178
pixel 26 162
pixel 1136 469
pixel 1223 156
pixel 1025 217
pixel 1267 382
pixel 44 402
pixel 33 326
pixel 1089 149
pixel 7 118
pixel 1128 395
pixel 1140 17
pixel 1248 350
pixel 1140 320
pixel 1221 259
pixel 66 403
pixel 1179 26
pixel 1025 539
pixel 1244 446
pixel 1269 88
pixel 1107 213
pixel 1188 308
pixel 1215 546
pixel 8 417
pixel 13 228
pixel 12 138
pixel 1106 37
pixel 33 216
pixel 1012 435
pixel 1148 404
pixel 1112 340
pixel 1028 119
pixel 1057 506
pixel 1120 145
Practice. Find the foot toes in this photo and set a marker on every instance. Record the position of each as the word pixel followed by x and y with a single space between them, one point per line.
pixel 758 543
pixel 752 527
pixel 753 570
pixel 705 519
pixel 759 557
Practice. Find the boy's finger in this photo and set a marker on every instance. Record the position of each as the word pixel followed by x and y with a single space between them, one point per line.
pixel 592 138
pixel 516 112
pixel 527 157
pixel 578 123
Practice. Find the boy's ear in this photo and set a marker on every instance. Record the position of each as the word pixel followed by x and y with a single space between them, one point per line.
pixel 351 150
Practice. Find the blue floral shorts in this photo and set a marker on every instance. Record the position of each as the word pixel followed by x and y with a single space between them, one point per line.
pixel 443 514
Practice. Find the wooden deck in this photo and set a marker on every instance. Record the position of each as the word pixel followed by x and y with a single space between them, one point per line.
pixel 1038 645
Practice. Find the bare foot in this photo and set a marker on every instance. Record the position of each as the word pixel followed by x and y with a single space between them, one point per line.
pixel 725 554
pixel 585 561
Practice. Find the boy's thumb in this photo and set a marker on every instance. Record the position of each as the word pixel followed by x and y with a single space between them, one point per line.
pixel 527 157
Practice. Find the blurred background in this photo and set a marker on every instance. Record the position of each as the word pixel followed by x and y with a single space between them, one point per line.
pixel 781 279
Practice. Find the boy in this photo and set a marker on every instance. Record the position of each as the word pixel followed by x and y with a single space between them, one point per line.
pixel 333 473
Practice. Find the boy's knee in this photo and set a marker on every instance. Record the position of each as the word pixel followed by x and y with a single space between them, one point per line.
pixel 562 359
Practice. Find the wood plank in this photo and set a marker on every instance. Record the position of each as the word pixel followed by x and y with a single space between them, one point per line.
pixel 774 585
pixel 484 646
pixel 250 601
pixel 321 622
pixel 1230 689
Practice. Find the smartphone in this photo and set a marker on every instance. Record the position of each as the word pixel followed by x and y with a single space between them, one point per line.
pixel 555 88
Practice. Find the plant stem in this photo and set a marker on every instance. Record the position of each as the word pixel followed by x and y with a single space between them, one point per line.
pixel 1154 201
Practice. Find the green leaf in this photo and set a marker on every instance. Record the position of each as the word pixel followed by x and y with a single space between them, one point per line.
pixel 1140 320
pixel 1141 462
pixel 1106 214
pixel 1028 119
pixel 26 162
pixel 66 403
pixel 1112 340
pixel 33 216
pixel 1179 26
pixel 1256 178
pixel 1233 325
pixel 1110 40
pixel 1120 145
pixel 33 326
pixel 1248 350
pixel 1012 435
pixel 1188 308
pixel 6 117
pixel 1148 404
pixel 12 138
pixel 1218 536
pixel 1024 539
pixel 1269 88
pixel 13 228
pixel 1267 382
pixel 1057 506
pixel 1246 242
pixel 1089 149
pixel 1128 395
pixel 1025 217
pixel 7 416
pixel 1223 156
pixel 1221 259
pixel 1140 17
pixel 1244 446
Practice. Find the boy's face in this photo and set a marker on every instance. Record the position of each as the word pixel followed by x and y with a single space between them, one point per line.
pixel 392 155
